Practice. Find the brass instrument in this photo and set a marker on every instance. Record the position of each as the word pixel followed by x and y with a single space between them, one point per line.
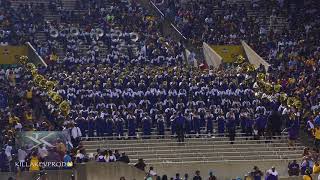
pixel 283 97
pixel 64 107
pixel 297 103
pixel 54 33
pixel 240 59
pixel 261 76
pixel 23 59
pixel 290 101
pixel 277 88
pixel 99 32
pixel 57 98
pixel 74 32
pixel 34 72
pixel 37 79
pixel 134 36
pixel 30 66
pixel 50 85
pixel 64 32
pixel 43 83
pixel 2 33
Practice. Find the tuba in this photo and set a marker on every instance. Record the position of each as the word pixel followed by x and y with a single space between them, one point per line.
pixel 240 59
pixel 297 103
pixel 57 98
pixel 50 85
pixel 2 33
pixel 261 76
pixel 74 32
pixel 43 83
pixel 290 101
pixel 134 36
pixel 34 72
pixel 99 32
pixel 54 33
pixel 283 97
pixel 23 59
pixel 37 79
pixel 277 88
pixel 64 107
pixel 30 66
pixel 64 32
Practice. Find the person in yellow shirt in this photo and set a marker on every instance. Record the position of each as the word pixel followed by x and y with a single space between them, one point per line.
pixel 34 162
pixel 316 168
pixel 29 94
pixel 316 134
pixel 307 176
pixel 28 115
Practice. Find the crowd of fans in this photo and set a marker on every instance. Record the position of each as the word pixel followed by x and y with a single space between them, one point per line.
pixel 148 88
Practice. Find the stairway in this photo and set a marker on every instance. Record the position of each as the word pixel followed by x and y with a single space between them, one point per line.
pixel 204 149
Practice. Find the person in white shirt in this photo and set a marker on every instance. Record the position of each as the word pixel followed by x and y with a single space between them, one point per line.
pixel 152 172
pixel 75 135
pixel 22 155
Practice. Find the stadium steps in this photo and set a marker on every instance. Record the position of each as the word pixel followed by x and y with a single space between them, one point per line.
pixel 204 149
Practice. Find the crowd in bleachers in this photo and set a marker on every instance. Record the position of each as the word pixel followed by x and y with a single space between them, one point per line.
pixel 145 87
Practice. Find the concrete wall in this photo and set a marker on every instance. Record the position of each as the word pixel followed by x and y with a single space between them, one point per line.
pixel 108 171
pixel 113 171
pixel 51 175
pixel 253 57
pixel 223 170
pixel 212 58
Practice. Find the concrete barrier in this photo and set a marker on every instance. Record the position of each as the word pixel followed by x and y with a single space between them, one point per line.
pixel 253 57
pixel 51 175
pixel 213 59
pixel 223 170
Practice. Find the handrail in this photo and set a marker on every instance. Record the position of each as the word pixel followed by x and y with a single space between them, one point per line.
pixel 36 53
pixel 163 15
pixel 178 31
pixel 166 136
pixel 155 6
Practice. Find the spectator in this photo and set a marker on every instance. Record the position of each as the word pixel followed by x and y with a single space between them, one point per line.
pixel 272 174
pixel 152 172
pixel 75 135
pixel 293 168
pixel 34 162
pixel 197 176
pixel 256 173
pixel 177 177
pixel 307 175
pixel 212 176
pixel 140 165
pixel 124 158
pixel 316 168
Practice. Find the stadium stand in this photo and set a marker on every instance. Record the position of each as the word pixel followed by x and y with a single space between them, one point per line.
pixel 130 88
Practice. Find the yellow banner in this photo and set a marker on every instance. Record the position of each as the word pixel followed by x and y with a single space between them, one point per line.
pixel 229 53
pixel 8 54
